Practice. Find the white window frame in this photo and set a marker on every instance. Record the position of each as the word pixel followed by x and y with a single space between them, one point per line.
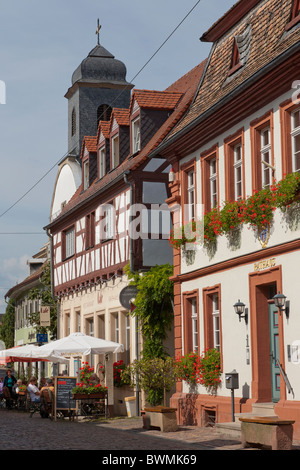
pixel 213 182
pixel 295 132
pixel 115 155
pixel 265 154
pixel 86 177
pixel 136 135
pixel 70 242
pixel 194 317
pixel 238 166
pixel 109 222
pixel 102 162
pixel 191 193
pixel 216 321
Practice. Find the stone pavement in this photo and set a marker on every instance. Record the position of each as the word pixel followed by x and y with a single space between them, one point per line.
pixel 20 432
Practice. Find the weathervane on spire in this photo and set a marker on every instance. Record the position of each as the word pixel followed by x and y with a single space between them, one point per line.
pixel 98 30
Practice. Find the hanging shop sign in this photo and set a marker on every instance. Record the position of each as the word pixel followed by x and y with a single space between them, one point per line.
pixel 45 315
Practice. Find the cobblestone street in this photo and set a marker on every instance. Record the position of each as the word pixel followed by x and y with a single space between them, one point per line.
pixel 20 432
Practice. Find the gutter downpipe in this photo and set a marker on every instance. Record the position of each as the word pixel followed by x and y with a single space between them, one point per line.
pixel 137 392
pixel 50 236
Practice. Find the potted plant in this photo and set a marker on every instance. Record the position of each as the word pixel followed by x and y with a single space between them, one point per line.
pixel 153 376
pixel 87 386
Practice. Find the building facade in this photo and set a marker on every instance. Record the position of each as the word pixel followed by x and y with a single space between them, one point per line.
pixel 117 215
pixel 239 137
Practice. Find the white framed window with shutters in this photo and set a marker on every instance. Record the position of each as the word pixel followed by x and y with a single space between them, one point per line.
pixel 69 237
pixel 295 135
pixel 136 135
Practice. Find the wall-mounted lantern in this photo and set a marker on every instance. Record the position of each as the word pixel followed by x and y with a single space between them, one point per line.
pixel 280 301
pixel 241 311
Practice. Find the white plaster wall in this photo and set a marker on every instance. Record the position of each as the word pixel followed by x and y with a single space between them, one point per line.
pixel 235 286
pixel 68 180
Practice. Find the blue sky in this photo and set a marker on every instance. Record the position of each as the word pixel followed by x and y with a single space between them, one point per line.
pixel 41 44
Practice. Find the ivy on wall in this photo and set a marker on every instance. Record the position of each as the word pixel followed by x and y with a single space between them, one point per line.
pixel 154 308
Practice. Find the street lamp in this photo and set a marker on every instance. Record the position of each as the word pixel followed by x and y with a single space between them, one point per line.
pixel 279 300
pixel 239 308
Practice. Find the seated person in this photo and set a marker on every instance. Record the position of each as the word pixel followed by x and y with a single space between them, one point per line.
pixel 16 387
pixel 33 390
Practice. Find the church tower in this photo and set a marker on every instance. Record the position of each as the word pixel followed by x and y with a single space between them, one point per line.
pixel 98 85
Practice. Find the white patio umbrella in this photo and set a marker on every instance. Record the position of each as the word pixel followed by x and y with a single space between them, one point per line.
pixel 77 344
pixel 30 353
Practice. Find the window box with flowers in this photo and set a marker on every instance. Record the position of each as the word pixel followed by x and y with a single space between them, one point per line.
pixel 204 370
pixel 257 211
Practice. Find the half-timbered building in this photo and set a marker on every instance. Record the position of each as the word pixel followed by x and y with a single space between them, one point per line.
pixel 239 137
pixel 115 216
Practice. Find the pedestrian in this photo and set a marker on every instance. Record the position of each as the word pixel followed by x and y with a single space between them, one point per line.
pixel 9 381
pixel 33 390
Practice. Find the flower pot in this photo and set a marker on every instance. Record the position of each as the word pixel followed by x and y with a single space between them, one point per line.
pixel 82 396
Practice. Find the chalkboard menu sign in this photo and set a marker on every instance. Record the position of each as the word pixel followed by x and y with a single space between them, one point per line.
pixel 63 396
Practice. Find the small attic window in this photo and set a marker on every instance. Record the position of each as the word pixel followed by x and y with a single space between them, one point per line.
pixel 235 60
pixel 73 122
pixel 295 15
pixel 103 113
pixel 241 50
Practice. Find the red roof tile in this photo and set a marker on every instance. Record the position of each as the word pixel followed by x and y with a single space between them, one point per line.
pixel 121 116
pixel 268 40
pixel 152 99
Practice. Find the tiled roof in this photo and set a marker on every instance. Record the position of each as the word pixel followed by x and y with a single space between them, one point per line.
pixel 121 115
pixel 268 40
pixel 90 143
pixel 103 126
pixel 152 99
pixel 34 277
pixel 186 87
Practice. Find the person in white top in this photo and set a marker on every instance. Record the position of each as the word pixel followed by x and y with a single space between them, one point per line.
pixel 33 390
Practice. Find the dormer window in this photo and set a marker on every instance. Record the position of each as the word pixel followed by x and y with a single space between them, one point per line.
pixel 86 174
pixel 235 60
pixel 241 50
pixel 295 14
pixel 115 159
pixel 136 135
pixel 102 165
